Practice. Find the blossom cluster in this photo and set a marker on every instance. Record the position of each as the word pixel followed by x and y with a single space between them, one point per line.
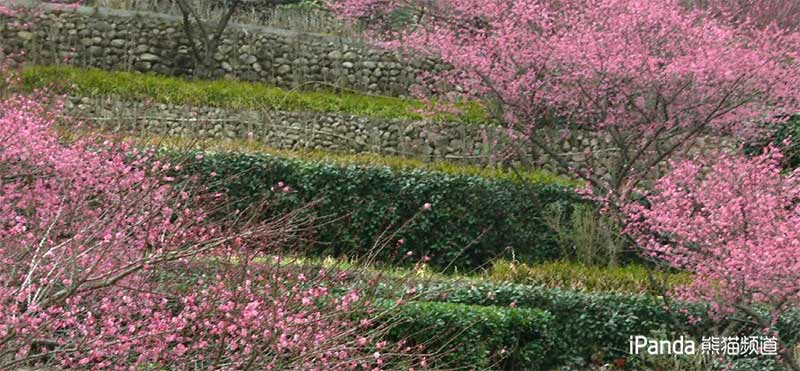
pixel 109 261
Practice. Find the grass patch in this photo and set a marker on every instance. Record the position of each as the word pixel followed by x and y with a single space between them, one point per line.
pixel 581 277
pixel 230 94
pixel 562 275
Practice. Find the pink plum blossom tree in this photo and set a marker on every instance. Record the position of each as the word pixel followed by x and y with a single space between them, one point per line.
pixel 110 262
pixel 650 77
pixel 733 222
pixel 760 13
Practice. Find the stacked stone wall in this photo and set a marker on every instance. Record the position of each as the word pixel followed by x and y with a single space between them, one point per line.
pixel 152 42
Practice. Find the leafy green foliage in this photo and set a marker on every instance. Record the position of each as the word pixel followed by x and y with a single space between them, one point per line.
pixel 596 323
pixel 575 276
pixel 364 209
pixel 586 323
pixel 476 337
pixel 394 162
pixel 229 94
pixel 779 134
pixel 790 131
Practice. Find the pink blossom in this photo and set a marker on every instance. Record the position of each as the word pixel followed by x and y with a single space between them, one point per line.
pixel 606 66
pixel 732 221
pixel 111 224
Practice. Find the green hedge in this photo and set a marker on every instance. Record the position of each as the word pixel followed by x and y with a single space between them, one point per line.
pixel 473 219
pixel 397 163
pixel 595 323
pixel 476 337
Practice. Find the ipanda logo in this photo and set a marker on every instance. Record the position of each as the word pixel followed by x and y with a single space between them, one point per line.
pixel 714 345
pixel 681 345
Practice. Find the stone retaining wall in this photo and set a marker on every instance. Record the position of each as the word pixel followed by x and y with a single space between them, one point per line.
pixel 335 132
pixel 152 42
pixel 481 145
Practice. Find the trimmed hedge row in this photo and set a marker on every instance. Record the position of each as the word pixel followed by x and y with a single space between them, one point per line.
pixel 595 323
pixel 396 163
pixel 476 337
pixel 472 221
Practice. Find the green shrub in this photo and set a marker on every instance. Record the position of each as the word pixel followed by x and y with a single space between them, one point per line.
pixel 228 94
pixel 588 324
pixel 580 277
pixel 586 235
pixel 476 337
pixel 473 220
pixel 778 133
pixel 394 162
pixel 790 130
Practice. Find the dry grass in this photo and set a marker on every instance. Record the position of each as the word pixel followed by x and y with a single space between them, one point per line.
pixel 303 17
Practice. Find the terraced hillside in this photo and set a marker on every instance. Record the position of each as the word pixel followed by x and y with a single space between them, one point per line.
pixel 298 209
